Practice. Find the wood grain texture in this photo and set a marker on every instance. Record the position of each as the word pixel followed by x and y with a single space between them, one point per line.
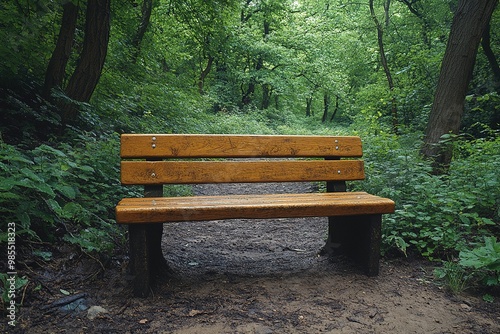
pixel 193 172
pixel 237 146
pixel 171 209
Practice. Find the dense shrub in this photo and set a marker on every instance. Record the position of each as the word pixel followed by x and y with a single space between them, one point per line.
pixel 64 189
pixel 436 216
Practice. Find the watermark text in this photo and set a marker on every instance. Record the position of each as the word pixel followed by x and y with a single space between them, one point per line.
pixel 10 285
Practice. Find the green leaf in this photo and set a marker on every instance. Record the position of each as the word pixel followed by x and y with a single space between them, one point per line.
pixel 49 149
pixel 67 191
pixel 31 175
pixel 491 281
pixel 20 282
pixel 86 169
pixel 8 184
pixel 46 189
pixel 53 205
pixel 46 256
pixel 70 210
pixel 488 298
pixel 484 257
pixel 65 292
pixel 24 218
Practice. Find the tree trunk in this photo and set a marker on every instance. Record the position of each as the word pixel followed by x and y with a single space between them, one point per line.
pixel 486 44
pixel 309 106
pixel 469 22
pixel 336 108
pixel 246 99
pixel 387 6
pixel 95 45
pixel 248 94
pixel 147 8
pixel 266 96
pixel 326 105
pixel 383 59
pixel 266 87
pixel 56 70
pixel 204 73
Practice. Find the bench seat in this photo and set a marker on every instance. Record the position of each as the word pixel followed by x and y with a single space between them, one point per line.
pixel 174 209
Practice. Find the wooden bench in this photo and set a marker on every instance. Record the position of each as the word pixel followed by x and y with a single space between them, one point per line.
pixel 354 217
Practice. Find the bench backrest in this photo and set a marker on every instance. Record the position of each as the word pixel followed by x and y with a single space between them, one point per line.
pixel 191 159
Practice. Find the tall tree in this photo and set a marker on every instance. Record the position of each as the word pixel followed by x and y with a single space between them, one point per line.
pixel 486 44
pixel 383 58
pixel 147 8
pixel 469 22
pixel 56 69
pixel 95 45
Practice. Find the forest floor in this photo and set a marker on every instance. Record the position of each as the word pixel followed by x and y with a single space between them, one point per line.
pixel 244 276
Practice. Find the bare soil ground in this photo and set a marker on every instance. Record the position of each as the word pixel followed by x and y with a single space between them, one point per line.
pixel 245 276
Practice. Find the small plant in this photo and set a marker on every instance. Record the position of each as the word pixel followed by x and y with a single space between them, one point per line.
pixel 92 239
pixel 488 298
pixel 454 276
pixel 485 260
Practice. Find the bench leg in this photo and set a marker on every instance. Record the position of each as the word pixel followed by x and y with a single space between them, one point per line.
pixel 358 237
pixel 139 265
pixel 146 257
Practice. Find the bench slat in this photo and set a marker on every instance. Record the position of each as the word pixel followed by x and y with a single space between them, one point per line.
pixel 171 209
pixel 237 146
pixel 194 172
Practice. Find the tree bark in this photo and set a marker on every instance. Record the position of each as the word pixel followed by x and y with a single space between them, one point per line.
pixel 486 44
pixel 95 45
pixel 56 70
pixel 308 106
pixel 387 6
pixel 248 93
pixel 266 87
pixel 266 96
pixel 204 73
pixel 469 22
pixel 147 8
pixel 326 106
pixel 336 108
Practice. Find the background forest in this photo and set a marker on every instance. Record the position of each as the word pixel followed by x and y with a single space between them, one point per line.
pixel 76 74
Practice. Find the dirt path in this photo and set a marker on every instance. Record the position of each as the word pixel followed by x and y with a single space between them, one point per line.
pixel 245 276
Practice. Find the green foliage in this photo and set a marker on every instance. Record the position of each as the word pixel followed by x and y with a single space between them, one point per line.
pixel 488 298
pixel 44 189
pixel 437 216
pixel 26 117
pixel 94 239
pixel 484 260
pixel 25 195
pixel 25 29
pixel 480 263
